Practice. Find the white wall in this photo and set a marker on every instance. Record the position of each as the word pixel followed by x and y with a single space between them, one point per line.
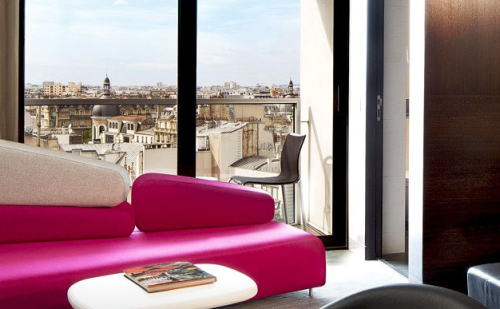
pixel 394 166
pixel 162 160
pixel 316 82
pixel 417 61
pixel 214 140
pixel 225 149
pixel 230 152
pixel 62 139
pixel 266 143
pixel 357 120
pixel 203 164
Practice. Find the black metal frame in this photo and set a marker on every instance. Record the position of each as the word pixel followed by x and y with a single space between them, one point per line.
pixel 374 130
pixel 186 88
pixel 339 237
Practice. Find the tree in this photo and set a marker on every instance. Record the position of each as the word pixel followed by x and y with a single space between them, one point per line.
pixel 87 136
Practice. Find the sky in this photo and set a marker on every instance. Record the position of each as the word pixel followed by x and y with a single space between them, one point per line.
pixel 134 42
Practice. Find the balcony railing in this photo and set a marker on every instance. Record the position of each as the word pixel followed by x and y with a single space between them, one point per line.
pixel 228 131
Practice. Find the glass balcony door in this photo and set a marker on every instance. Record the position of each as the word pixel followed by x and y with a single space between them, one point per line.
pixel 248 82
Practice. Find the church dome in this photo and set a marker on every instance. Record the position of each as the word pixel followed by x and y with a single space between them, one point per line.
pixel 107 111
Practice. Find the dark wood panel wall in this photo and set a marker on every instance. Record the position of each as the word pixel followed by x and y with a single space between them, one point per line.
pixel 461 202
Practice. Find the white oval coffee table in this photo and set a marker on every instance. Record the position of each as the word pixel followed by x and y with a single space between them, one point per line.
pixel 116 291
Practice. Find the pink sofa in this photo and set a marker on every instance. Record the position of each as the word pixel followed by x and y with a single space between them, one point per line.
pixel 45 248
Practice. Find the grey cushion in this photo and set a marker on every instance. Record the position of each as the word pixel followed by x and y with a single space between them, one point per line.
pixel 483 284
pixel 38 176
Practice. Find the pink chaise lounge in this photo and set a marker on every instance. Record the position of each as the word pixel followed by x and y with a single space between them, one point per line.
pixel 64 218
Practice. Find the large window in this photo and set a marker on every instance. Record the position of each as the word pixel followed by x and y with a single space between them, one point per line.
pixel 102 79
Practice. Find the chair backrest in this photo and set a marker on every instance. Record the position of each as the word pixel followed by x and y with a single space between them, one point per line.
pixel 406 296
pixel 290 157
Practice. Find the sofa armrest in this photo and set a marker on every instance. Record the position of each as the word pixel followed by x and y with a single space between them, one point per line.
pixel 40 176
pixel 167 202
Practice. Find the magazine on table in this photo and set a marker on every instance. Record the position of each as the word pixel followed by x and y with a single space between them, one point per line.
pixel 168 276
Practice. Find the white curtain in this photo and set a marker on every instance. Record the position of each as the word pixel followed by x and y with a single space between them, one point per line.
pixel 9 69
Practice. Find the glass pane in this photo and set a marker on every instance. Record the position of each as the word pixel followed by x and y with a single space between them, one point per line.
pixel 248 92
pixel 101 80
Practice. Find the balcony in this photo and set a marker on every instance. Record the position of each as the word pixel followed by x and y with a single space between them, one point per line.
pixel 229 133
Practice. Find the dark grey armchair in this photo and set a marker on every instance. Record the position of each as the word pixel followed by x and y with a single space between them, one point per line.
pixel 406 296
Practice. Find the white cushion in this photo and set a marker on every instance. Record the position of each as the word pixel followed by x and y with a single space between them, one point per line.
pixel 39 176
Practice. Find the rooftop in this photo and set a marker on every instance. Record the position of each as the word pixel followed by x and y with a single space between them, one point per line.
pixel 251 163
pixel 221 127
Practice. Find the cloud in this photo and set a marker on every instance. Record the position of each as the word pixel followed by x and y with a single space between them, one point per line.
pixel 243 41
pixel 150 65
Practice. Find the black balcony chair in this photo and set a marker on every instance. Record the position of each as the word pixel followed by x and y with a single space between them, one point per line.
pixel 289 163
pixel 406 296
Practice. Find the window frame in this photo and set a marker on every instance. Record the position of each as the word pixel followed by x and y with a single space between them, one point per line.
pixel 187 105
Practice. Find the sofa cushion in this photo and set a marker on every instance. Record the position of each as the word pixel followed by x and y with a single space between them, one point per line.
pixel 278 257
pixel 51 223
pixel 38 176
pixel 167 202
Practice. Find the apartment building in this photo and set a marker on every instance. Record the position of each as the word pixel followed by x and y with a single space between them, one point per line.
pixel 55 90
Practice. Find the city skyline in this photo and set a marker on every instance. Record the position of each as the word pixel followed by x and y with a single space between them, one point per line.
pixel 99 85
pixel 135 42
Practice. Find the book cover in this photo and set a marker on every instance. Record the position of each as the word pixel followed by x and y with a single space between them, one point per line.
pixel 168 276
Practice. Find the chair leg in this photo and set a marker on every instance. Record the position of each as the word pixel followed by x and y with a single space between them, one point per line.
pixel 310 292
pixel 284 203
